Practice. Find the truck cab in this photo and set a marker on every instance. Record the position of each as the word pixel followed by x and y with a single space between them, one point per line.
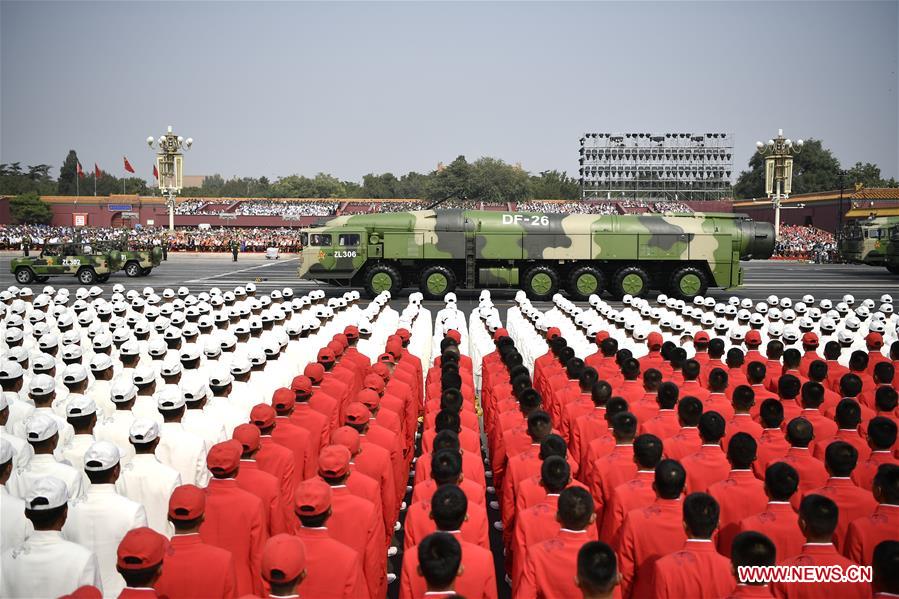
pixel 334 254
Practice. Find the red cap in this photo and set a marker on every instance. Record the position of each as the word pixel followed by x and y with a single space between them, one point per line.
pixel 325 355
pixel 336 347
pixel 374 382
pixel 284 399
pixel 302 384
pixel 874 340
pixel 357 413
pixel 810 339
pixel 348 437
pixel 351 332
pixel 654 340
pixel 86 592
pixel 454 334
pixel 341 339
pixel 381 370
pixel 262 415
pixel 315 372
pixel 553 332
pixel 224 457
pixel 334 461
pixel 370 399
pixel 385 357
pixel 312 497
pixel 187 502
pixel 283 558
pixel 701 337
pixel 500 333
pixel 753 337
pixel 141 548
pixel 248 436
pixel 403 334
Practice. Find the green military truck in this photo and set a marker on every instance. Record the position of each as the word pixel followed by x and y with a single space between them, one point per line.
pixel 88 264
pixel 872 240
pixel 440 250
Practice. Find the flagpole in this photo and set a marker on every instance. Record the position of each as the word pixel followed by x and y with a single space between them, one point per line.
pixel 77 177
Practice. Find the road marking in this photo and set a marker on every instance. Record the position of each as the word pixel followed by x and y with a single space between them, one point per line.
pixel 232 272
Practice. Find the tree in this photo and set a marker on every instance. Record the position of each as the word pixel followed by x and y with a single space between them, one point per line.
pixel 15 181
pixel 553 185
pixel 68 173
pixel 413 185
pixel 492 180
pixel 815 168
pixel 451 182
pixel 30 209
pixel 866 175
pixel 380 186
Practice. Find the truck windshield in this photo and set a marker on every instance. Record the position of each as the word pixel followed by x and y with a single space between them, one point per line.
pixel 320 239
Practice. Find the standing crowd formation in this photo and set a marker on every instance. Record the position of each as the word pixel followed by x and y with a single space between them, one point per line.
pixel 240 444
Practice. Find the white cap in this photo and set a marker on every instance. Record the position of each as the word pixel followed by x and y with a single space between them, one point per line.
pixel 74 373
pixel 46 493
pixel 13 334
pixel 72 352
pixel 129 348
pixel 40 427
pixel 143 431
pixel 191 351
pixel 240 365
pixel 194 390
pixel 143 375
pixel 100 456
pixel 122 390
pixel 10 370
pixel 6 451
pixel 220 377
pixel 100 362
pixel 169 399
pixel 80 405
pixel 41 384
pixel 170 368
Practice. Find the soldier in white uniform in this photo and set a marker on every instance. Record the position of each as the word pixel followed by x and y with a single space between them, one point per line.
pixel 42 434
pixel 100 520
pixel 81 414
pixel 101 366
pixel 146 480
pixel 47 565
pixel 16 527
pixel 115 429
pixel 182 450
pixel 22 451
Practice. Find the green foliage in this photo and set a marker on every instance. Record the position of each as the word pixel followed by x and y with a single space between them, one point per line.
pixel 14 180
pixel 553 185
pixel 454 181
pixel 30 209
pixel 493 180
pixel 68 173
pixel 867 175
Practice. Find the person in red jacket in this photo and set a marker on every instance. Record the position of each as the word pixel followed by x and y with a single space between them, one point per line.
pixel 866 532
pixel 446 468
pixel 741 494
pixel 692 386
pixel 359 417
pixel 610 471
pixel 333 570
pixel 284 401
pixel 271 458
pixel 885 570
pixel 597 571
pixel 420 523
pixel 742 400
pixel 773 444
pixel 260 483
pixel 751 549
pixel 449 507
pixel 439 564
pixel 696 570
pixel 709 464
pixel 687 440
pixel 191 568
pixel 234 519
pixel 634 493
pixel 632 387
pixel 840 460
pixel 283 565
pixel 811 398
pixel 307 417
pixel 335 463
pixel 550 568
pixel 848 416
pixel 139 560
pixel 325 399
pixel 812 473
pixel 778 521
pixel 818 517
pixel 649 533
pixel 881 439
pixel 664 424
pixel 788 389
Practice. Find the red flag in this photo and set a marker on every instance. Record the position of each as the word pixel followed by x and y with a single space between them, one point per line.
pixel 155 172
pixel 78 169
pixel 128 166
pixel 96 171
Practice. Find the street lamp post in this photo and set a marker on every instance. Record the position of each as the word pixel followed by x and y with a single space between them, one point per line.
pixel 778 153
pixel 170 166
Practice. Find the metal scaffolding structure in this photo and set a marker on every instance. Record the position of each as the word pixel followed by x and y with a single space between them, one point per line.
pixel 671 166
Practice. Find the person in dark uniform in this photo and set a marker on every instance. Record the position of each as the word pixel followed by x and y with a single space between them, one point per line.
pixel 234 249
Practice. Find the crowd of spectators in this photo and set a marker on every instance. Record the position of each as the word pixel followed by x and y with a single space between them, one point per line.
pixel 670 206
pixel 190 207
pixel 568 207
pixel 285 208
pixel 805 242
pixel 400 206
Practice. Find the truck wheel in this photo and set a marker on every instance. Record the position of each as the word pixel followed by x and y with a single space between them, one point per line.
pixel 383 277
pixel 541 283
pixel 87 276
pixel 24 275
pixel 133 269
pixel 585 281
pixel 631 280
pixel 688 282
pixel 146 271
pixel 436 282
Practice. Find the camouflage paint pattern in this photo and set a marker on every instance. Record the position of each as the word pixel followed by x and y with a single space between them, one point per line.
pixel 505 241
pixel 868 240
pixel 68 259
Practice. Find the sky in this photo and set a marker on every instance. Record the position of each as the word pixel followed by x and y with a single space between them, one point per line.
pixel 277 88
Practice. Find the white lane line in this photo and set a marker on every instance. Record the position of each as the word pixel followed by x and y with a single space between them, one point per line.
pixel 232 272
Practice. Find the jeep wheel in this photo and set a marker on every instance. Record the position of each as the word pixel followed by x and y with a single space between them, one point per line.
pixel 630 280
pixel 436 282
pixel 146 271
pixel 585 281
pixel 87 276
pixel 540 283
pixel 133 269
pixel 383 277
pixel 24 275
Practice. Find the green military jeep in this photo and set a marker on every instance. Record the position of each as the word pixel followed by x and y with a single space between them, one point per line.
pixel 88 264
pixel 139 263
